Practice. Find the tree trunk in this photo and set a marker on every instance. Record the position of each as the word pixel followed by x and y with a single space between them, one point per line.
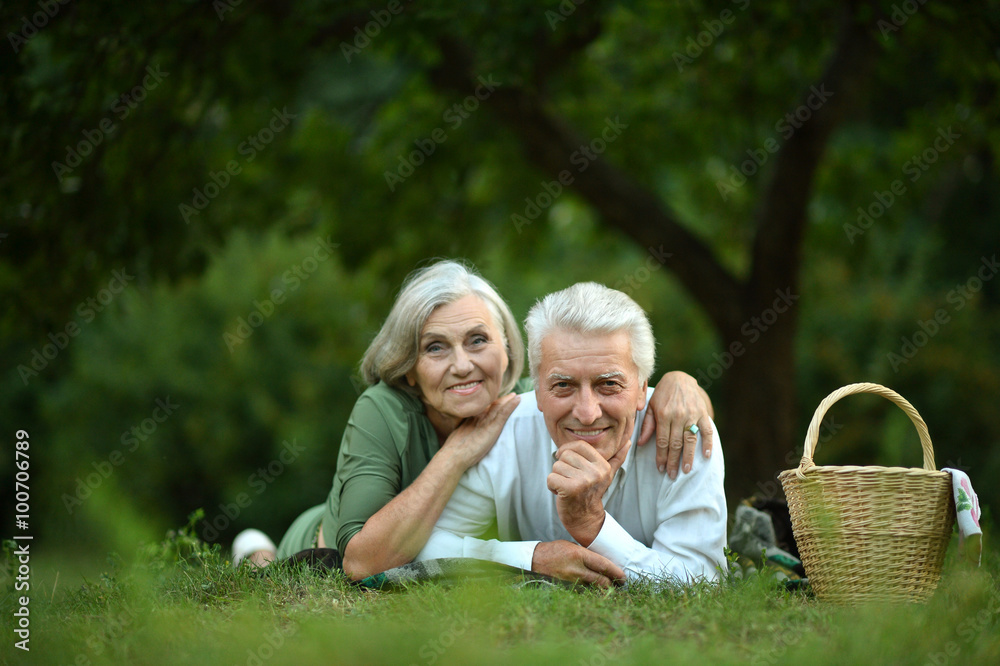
pixel 757 415
pixel 757 426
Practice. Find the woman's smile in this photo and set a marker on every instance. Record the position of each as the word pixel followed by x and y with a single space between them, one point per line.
pixel 466 389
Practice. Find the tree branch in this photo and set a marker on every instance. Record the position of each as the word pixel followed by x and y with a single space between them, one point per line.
pixel 625 205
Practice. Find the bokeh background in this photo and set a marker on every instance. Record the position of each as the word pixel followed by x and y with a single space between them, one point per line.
pixel 208 207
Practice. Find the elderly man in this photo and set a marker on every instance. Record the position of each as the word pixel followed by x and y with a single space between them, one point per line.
pixel 573 498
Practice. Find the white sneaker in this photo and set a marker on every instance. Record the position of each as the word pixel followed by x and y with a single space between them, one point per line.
pixel 249 542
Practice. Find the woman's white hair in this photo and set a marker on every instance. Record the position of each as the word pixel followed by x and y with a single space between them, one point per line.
pixel 393 352
pixel 588 307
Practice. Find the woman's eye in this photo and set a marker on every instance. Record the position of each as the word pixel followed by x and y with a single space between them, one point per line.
pixel 434 348
pixel 480 340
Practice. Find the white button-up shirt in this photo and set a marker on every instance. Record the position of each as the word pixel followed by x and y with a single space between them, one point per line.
pixel 654 526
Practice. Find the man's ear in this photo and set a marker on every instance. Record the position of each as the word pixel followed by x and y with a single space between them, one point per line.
pixel 641 398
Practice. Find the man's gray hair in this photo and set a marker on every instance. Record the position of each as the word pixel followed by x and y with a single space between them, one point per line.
pixel 393 352
pixel 588 307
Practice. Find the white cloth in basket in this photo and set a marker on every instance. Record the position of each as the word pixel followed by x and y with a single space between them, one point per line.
pixel 966 514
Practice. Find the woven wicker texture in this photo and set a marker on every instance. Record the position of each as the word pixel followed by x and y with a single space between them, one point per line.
pixel 870 534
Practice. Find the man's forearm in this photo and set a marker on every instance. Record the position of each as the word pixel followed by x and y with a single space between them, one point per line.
pixel 443 543
pixel 585 528
pixel 682 564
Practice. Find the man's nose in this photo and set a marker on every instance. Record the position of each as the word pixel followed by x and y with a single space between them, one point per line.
pixel 587 408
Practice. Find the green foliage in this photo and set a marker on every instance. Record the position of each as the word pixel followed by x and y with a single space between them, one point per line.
pixel 222 392
pixel 324 175
pixel 182 548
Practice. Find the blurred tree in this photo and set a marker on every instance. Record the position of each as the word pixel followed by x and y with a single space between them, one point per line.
pixel 718 136
pixel 228 393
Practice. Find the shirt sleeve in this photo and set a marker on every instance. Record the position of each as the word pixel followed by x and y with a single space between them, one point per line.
pixel 370 470
pixel 690 536
pixel 469 512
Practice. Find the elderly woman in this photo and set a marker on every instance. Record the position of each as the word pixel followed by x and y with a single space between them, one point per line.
pixel 440 371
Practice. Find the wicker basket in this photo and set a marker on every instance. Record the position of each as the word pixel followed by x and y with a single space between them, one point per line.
pixel 870 534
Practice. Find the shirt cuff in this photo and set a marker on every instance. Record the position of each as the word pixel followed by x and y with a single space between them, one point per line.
pixel 512 553
pixel 614 543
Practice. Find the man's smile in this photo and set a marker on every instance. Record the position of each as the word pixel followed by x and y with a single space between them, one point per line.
pixel 590 435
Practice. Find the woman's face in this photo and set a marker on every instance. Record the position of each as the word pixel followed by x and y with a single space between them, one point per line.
pixel 461 362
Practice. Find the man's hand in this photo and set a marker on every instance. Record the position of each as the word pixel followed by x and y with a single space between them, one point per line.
pixel 579 479
pixel 676 403
pixel 569 561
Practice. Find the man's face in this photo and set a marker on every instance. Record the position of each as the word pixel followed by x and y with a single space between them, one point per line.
pixel 589 389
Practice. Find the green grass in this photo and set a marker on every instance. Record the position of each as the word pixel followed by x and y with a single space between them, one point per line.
pixel 180 602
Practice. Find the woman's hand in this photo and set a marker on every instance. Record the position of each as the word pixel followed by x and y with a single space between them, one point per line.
pixel 476 435
pixel 677 403
pixel 395 533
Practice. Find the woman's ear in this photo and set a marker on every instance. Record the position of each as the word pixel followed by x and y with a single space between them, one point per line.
pixel 409 378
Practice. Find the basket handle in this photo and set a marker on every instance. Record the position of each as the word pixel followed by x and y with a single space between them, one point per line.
pixel 812 435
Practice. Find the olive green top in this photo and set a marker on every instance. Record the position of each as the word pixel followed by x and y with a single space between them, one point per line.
pixel 387 443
